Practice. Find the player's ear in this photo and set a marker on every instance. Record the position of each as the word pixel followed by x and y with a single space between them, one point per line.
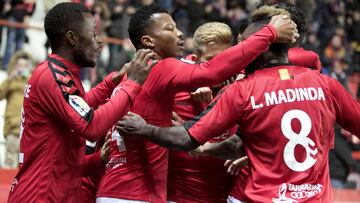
pixel 71 38
pixel 147 41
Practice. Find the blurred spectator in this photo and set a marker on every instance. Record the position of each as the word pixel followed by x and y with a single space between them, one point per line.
pixel 341 161
pixel 236 14
pixel 120 14
pixel 12 89
pixel 216 11
pixel 20 12
pixel 101 13
pixel 335 54
pixel 196 14
pixel 167 4
pixel 312 43
pixel 4 8
pixel 354 37
pixel 308 7
pixel 181 16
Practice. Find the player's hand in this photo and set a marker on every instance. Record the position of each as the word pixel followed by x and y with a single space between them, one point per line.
pixel 131 125
pixel 235 166
pixel 285 29
pixel 176 119
pixel 105 149
pixel 202 94
pixel 118 76
pixel 197 152
pixel 140 66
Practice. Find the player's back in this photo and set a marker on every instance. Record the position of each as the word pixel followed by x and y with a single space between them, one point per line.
pixel 287 120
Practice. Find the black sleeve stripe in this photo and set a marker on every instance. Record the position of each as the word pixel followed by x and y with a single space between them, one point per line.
pixel 66 84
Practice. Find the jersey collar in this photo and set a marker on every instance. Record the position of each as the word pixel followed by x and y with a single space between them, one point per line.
pixel 69 65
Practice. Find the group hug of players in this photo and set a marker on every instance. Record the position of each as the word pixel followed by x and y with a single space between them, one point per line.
pixel 262 105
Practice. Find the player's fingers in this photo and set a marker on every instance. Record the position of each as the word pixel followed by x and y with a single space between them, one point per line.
pixel 137 54
pixel 152 64
pixel 228 162
pixel 231 169
pixel 143 53
pixel 107 142
pixel 131 114
pixel 209 97
pixel 147 57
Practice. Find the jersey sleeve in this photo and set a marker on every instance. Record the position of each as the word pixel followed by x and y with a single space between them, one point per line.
pixel 224 65
pixel 306 58
pixel 93 161
pixel 101 92
pixel 221 115
pixel 347 109
pixel 71 112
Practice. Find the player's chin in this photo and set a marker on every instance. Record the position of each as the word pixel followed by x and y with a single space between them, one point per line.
pixel 91 62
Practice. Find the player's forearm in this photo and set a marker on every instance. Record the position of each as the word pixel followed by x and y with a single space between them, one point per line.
pixel 230 148
pixel 104 117
pixel 101 92
pixel 172 137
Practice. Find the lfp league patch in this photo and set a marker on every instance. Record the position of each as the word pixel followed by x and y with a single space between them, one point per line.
pixel 79 105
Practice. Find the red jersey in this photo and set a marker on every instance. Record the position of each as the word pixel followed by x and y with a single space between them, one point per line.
pixel 300 57
pixel 201 179
pixel 90 183
pixel 306 58
pixel 286 115
pixel 57 117
pixel 138 168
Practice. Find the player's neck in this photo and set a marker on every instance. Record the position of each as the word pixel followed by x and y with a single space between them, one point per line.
pixel 64 53
pixel 272 60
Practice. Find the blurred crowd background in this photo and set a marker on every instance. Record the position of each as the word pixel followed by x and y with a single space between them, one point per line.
pixel 333 33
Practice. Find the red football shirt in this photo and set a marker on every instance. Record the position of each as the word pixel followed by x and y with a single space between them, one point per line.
pixel 286 115
pixel 300 57
pixel 138 168
pixel 306 58
pixel 201 179
pixel 52 146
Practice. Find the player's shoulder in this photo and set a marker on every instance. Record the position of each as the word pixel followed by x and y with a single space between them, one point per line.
pixel 41 73
pixel 177 60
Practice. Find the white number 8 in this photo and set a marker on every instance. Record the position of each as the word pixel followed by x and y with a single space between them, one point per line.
pixel 298 139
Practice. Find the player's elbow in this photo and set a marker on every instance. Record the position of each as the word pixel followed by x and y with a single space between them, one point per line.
pixel 92 135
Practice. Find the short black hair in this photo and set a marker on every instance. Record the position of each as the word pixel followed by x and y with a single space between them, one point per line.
pixel 262 16
pixel 62 18
pixel 297 16
pixel 141 20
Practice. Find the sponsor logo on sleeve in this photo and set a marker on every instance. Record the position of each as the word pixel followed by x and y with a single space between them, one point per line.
pixel 79 105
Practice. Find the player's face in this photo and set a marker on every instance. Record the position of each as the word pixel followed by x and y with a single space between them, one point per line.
pixel 210 51
pixel 89 45
pixel 166 39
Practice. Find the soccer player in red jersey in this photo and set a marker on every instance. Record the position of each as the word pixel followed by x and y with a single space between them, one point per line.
pixel 286 114
pixel 297 56
pixel 58 116
pixel 200 179
pixel 138 168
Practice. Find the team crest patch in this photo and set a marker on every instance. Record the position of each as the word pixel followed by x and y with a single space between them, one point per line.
pixel 79 105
